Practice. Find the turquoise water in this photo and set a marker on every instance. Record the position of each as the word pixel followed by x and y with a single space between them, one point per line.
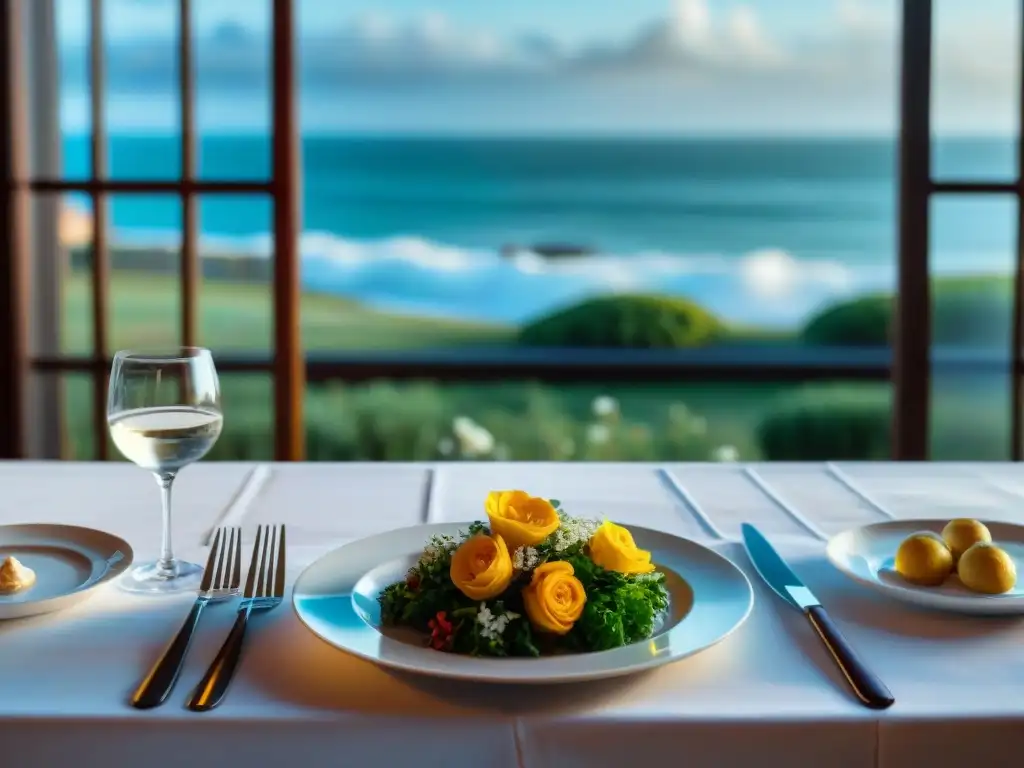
pixel 758 230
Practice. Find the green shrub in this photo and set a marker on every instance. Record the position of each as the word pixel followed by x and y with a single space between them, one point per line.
pixel 422 422
pixel 966 311
pixel 865 321
pixel 646 322
pixel 827 423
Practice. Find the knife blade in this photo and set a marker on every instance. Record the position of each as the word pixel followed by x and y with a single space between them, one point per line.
pixel 777 574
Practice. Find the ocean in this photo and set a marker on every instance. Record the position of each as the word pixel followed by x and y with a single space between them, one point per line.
pixel 760 231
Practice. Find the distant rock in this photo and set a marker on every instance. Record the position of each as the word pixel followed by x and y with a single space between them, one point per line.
pixel 548 250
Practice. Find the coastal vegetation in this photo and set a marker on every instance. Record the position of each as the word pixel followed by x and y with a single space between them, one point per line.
pixel 684 421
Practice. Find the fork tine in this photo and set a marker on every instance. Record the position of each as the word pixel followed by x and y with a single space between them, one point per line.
pixel 211 562
pixel 254 565
pixel 219 544
pixel 279 576
pixel 261 585
pixel 236 566
pixel 268 563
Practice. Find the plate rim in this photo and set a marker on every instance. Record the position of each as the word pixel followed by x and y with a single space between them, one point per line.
pixel 980 604
pixel 27 608
pixel 455 673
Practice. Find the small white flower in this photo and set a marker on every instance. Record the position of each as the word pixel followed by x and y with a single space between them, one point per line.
pixel 437 549
pixel 525 558
pixel 605 406
pixel 493 627
pixel 445 446
pixel 598 434
pixel 727 453
pixel 678 412
pixel 573 531
pixel 473 439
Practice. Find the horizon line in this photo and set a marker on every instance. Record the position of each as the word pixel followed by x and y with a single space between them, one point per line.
pixel 715 135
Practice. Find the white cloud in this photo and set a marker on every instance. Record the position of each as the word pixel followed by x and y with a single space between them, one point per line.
pixel 689 41
pixel 695 66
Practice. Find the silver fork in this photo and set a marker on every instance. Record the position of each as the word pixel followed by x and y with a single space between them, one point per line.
pixel 261 594
pixel 221 579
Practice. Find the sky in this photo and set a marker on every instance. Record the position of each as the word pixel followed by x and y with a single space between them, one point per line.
pixel 554 66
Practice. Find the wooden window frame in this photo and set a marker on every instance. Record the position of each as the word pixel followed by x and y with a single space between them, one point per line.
pixel 908 364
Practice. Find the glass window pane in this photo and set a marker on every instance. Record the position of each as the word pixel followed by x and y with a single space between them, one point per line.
pixel 79 434
pixel 74 112
pixel 247 401
pixel 235 301
pixel 973 260
pixel 233 89
pixel 145 272
pixel 519 180
pixel 143 112
pixel 975 89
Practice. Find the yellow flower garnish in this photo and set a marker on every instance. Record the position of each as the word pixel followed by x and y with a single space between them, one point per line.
pixel 519 518
pixel 481 568
pixel 555 598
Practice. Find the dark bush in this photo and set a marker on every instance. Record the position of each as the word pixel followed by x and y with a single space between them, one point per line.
pixel 967 311
pixel 825 424
pixel 646 322
pixel 861 322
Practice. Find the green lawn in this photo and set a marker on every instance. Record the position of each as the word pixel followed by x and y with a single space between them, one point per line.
pixel 145 311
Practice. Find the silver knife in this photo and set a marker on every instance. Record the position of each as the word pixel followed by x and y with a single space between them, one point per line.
pixel 780 577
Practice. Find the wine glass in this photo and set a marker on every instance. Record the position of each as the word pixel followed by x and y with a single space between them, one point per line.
pixel 163 411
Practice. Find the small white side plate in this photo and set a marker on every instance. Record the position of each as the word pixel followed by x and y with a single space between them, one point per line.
pixel 336 598
pixel 69 561
pixel 867 556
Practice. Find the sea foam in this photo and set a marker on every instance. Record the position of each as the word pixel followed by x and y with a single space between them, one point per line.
pixel 770 286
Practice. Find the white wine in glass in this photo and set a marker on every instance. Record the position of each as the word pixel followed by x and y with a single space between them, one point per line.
pixel 164 413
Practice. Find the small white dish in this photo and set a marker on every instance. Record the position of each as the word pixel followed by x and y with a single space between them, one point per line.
pixel 336 598
pixel 867 556
pixel 69 562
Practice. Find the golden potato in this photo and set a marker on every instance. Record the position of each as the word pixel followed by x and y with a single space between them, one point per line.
pixel 988 569
pixel 962 534
pixel 924 559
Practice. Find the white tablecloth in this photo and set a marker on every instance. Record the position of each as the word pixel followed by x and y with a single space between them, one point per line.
pixel 766 696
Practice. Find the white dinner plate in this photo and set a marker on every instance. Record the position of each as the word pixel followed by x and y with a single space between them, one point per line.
pixel 69 561
pixel 336 598
pixel 867 556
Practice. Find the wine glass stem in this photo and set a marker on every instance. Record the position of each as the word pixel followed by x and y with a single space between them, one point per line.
pixel 165 565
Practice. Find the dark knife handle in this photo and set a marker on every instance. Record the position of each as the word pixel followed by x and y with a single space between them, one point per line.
pixel 211 689
pixel 869 689
pixel 155 687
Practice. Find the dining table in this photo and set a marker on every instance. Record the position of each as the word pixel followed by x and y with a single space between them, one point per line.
pixel 767 695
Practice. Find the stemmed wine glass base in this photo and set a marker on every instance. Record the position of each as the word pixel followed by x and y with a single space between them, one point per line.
pixel 146 578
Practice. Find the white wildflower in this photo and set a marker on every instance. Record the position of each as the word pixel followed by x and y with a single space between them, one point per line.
pixel 678 412
pixel 644 577
pixel 598 434
pixel 573 531
pixel 439 548
pixel 727 453
pixel 525 558
pixel 445 446
pixel 605 406
pixel 473 439
pixel 493 627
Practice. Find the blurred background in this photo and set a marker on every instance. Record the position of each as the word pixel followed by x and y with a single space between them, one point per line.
pixel 706 183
